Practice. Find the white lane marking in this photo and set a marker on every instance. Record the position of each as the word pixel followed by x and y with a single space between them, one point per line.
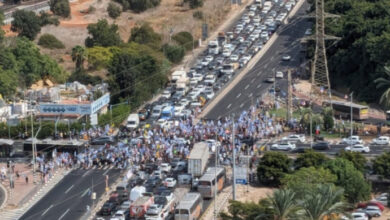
pixel 84 193
pixel 242 104
pixel 51 206
pixel 229 105
pixel 258 86
pixel 250 95
pixel 86 173
pixel 253 80
pixel 69 189
pixel 258 74
pixel 64 214
pixel 273 69
pixel 238 95
pixel 266 65
pixel 272 58
pixel 247 86
pixel 105 172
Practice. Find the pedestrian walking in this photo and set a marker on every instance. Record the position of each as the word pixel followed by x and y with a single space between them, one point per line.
pixel 26 179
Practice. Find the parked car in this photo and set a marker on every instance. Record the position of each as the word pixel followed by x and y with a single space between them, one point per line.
pixel 352 140
pixel 283 146
pixel 295 138
pixel 323 145
pixel 359 216
pixel 358 148
pixel 170 182
pixel 372 211
pixel 382 140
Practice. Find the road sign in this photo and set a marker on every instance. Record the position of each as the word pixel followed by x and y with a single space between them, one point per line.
pixel 241 175
pixel 241 181
pixel 94 119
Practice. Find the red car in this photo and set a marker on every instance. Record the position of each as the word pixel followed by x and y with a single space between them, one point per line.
pixel 363 205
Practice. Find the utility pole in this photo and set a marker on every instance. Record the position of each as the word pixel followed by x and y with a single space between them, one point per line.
pixel 32 145
pixel 274 90
pixel 289 96
pixel 215 176
pixel 234 162
pixel 351 117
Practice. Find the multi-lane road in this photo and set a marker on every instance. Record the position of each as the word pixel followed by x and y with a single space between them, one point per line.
pixel 69 198
pixel 252 85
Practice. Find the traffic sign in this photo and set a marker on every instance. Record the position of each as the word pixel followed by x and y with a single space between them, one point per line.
pixel 241 181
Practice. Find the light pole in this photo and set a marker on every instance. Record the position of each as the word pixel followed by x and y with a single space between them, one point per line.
pixel 215 176
pixel 274 90
pixel 234 162
pixel 351 119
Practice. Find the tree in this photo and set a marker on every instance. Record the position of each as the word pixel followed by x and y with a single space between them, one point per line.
pixel 100 57
pixel 283 203
pixel 356 188
pixel 184 39
pixel 381 165
pixel 309 119
pixel 145 34
pixel 382 82
pixel 323 203
pixel 103 34
pixel 78 56
pixel 113 10
pixel 142 5
pixel 310 158
pixel 8 83
pixel 272 168
pixel 359 161
pixel 26 23
pixel 60 7
pixel 196 3
pixel 50 41
pixel 1 24
pixel 328 118
pixel 307 179
pixel 174 53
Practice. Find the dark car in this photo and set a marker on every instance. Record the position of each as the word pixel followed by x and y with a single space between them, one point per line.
pixel 143 114
pixel 154 181
pixel 149 188
pixel 137 181
pixel 150 167
pixel 248 141
pixel 323 145
pixel 108 208
pixel 103 140
pixel 161 190
pixel 299 150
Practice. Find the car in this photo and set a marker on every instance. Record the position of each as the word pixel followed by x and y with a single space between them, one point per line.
pixel 108 208
pixel 205 62
pixel 283 146
pixel 264 35
pixel 270 79
pixel 382 200
pixel 299 150
pixel 103 140
pixel 256 19
pixel 170 182
pixel 154 210
pixel 119 215
pixel 209 94
pixel 286 57
pixel 323 145
pixel 210 79
pixel 162 122
pixel 263 27
pixel 234 57
pixel 373 211
pixel 352 140
pixel 359 216
pixel 308 31
pixel 371 203
pixel 166 94
pixel 165 167
pixel 382 140
pixel 279 75
pixel 209 58
pixel 358 148
pixel 295 138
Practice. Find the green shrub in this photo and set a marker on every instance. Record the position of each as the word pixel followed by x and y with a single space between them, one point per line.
pixel 184 39
pixel 60 7
pixel 198 15
pixel 51 42
pixel 113 10
pixel 174 53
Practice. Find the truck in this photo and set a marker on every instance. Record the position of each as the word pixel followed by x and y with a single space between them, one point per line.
pixel 229 68
pixel 168 112
pixel 198 159
pixel 178 74
pixel 222 39
pixel 213 47
pixel 132 121
pixel 140 206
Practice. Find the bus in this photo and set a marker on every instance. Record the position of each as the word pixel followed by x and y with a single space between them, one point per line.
pixel 190 207
pixel 206 185
pixel 343 110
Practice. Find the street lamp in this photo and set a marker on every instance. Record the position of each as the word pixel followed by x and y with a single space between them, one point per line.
pixel 351 120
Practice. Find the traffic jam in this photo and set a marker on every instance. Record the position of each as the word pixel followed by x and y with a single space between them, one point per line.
pixel 173 172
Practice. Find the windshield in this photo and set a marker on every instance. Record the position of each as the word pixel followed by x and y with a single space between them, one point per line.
pixel 156 111
pixel 131 122
pixel 213 46
pixel 182 211
pixel 227 67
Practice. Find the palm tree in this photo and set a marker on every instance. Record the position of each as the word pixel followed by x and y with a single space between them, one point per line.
pixel 383 82
pixel 78 56
pixel 283 203
pixel 323 203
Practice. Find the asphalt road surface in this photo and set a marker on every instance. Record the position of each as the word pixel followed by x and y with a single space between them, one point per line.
pixel 252 84
pixel 69 198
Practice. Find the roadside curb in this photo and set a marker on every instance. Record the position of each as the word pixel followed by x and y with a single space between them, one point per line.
pixel 232 83
pixel 5 197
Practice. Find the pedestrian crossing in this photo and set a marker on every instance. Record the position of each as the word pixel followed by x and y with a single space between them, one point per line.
pixel 17 213
pixel 96 167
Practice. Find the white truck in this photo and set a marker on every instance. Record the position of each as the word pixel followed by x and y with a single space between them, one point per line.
pixel 132 121
pixel 198 158
pixel 213 47
pixel 178 74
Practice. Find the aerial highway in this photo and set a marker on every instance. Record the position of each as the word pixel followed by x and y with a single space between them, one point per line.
pixel 252 85
pixel 69 198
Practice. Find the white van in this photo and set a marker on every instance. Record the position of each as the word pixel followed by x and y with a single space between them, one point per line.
pixel 136 193
pixel 132 121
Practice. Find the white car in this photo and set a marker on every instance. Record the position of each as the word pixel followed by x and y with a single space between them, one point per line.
pixel 234 57
pixel 166 94
pixel 279 75
pixel 209 58
pixel 352 140
pixel 286 57
pixel 170 182
pixel 295 138
pixel 119 215
pixel 165 167
pixel 198 77
pixel 283 146
pixel 382 199
pixel 226 53
pixel 209 94
pixel 358 148
pixel 210 79
pixel 205 62
pixel 264 35
pixel 382 140
pixel 372 211
pixel 125 205
pixel 162 122
pixel 256 19
pixel 359 216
